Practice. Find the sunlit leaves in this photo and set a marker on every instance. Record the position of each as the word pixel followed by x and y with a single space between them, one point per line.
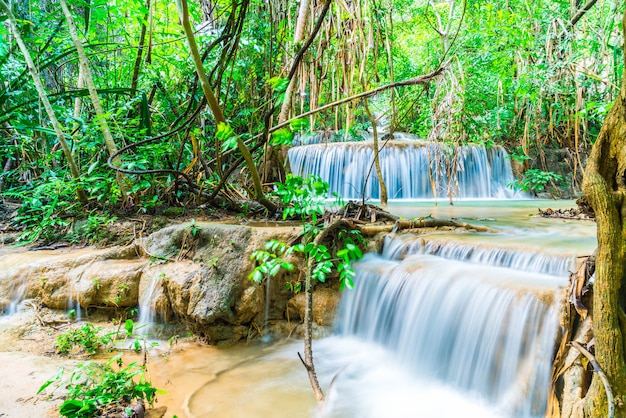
pixel 299 124
pixel 226 136
pixel 271 261
pixel 278 84
pixel 282 136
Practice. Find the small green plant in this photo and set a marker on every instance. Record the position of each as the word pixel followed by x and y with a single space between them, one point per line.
pixel 271 260
pixel 193 228
pixel 305 198
pixel 535 180
pixel 95 387
pixel 86 339
pixel 122 292
pixel 71 314
pixel 519 155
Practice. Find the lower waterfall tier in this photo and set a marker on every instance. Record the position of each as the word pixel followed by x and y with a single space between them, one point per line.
pixel 484 330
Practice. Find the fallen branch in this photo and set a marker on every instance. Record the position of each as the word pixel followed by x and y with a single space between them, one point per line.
pixel 370 230
pixel 43 322
pixel 605 380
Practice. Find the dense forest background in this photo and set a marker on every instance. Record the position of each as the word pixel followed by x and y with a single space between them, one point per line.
pixel 536 77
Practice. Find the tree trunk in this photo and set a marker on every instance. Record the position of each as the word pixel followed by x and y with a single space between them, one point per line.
pixel 93 95
pixel 140 47
pixel 183 12
pixel 44 100
pixel 303 14
pixel 604 186
pixel 379 172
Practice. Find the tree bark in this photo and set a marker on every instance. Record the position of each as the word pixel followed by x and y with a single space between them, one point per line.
pixel 379 172
pixel 604 186
pixel 140 47
pixel 308 312
pixel 44 100
pixel 303 14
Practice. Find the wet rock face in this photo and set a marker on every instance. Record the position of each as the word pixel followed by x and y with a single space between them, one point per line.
pixel 208 286
pixel 194 272
pixel 85 277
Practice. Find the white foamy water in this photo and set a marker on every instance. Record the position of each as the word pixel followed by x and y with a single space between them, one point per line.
pixel 485 331
pixel 410 169
pixel 528 260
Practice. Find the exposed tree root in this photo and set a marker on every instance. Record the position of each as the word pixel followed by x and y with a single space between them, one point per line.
pixel 600 372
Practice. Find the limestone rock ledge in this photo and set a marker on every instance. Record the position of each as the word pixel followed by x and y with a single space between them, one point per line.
pixel 195 273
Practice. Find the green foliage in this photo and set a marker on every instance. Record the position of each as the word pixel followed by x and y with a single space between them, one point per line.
pixel 302 197
pixel 193 228
pixel 305 198
pixel 43 204
pixel 517 76
pixel 536 180
pixel 271 260
pixel 93 229
pixel 226 136
pixel 282 136
pixel 88 339
pixel 93 387
pixel 519 155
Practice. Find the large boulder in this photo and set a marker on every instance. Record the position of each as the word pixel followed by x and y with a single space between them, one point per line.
pixel 325 301
pixel 206 281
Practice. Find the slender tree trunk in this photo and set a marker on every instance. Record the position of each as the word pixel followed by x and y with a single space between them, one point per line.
pixel 604 186
pixel 303 15
pixel 93 94
pixel 308 312
pixel 140 47
pixel 308 332
pixel 379 172
pixel 183 12
pixel 44 100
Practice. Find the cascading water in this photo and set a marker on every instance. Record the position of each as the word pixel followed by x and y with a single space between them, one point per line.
pixel 147 310
pixel 532 261
pixel 73 306
pixel 472 327
pixel 17 296
pixel 410 169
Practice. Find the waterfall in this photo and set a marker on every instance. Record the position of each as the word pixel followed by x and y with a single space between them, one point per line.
pixel 474 327
pixel 18 294
pixel 410 168
pixel 532 261
pixel 73 305
pixel 150 288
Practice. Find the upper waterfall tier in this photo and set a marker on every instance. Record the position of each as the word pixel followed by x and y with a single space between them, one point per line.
pixel 411 169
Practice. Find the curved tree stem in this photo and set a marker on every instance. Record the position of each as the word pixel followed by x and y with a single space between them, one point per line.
pixel 215 107
pixel 600 372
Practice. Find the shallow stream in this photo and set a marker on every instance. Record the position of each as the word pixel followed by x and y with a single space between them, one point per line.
pixel 371 375
pixel 452 354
